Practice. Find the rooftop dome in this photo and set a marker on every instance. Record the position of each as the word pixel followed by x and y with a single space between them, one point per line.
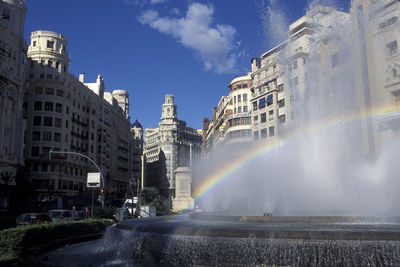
pixel 137 124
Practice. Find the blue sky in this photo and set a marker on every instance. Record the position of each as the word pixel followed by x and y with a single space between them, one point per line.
pixel 191 49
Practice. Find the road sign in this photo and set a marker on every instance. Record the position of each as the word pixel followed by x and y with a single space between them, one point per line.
pixel 93 179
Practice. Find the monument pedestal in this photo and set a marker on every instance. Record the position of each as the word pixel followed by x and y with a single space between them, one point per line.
pixel 183 197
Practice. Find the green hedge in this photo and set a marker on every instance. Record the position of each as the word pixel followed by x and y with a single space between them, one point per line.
pixel 15 241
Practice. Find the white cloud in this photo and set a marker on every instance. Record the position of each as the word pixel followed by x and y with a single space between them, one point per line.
pixel 213 44
pixel 142 3
pixel 153 2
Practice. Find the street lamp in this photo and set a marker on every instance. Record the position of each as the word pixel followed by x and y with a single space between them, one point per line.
pixel 92 161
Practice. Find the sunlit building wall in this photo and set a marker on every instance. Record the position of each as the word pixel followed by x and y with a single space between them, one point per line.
pixel 64 113
pixel 376 32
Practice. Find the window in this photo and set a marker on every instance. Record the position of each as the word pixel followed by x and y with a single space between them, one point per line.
pixel 244 97
pixel 290 66
pixel 39 90
pixel 36 136
pixel 263 117
pixel 49 63
pixel 280 88
pixel 38 105
pixel 67 110
pixel 255 119
pixel 34 43
pixel 246 121
pixel 296 80
pixel 37 121
pixel 245 109
pixel 269 100
pixel 256 135
pixel 234 110
pixel 57 122
pixel 270 115
pixel 282 118
pixel 239 109
pixel 234 99
pixel 47 136
pixel 391 48
pixel 66 124
pixel 271 131
pixel 281 103
pixel 35 151
pixel 50 44
pixel 60 92
pixel 57 137
pixel 239 98
pixel 47 121
pixel 48 106
pixel 388 22
pixel 6 14
pixel 49 91
pixel 295 64
pixel 58 107
pixel 263 133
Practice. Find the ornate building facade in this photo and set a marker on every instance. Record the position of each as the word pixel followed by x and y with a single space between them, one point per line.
pixel 64 113
pixel 169 146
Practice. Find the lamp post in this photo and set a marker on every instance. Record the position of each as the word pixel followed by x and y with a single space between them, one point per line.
pixel 92 161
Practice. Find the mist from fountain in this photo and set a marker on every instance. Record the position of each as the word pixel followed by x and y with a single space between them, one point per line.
pixel 319 167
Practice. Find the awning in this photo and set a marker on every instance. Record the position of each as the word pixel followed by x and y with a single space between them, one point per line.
pixel 261 103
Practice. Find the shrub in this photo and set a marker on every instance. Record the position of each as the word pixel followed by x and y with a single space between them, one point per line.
pixel 15 241
pixel 104 213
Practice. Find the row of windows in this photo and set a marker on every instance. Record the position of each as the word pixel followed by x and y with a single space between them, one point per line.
pixel 238 98
pixel 48 121
pixel 239 121
pixel 49 91
pixel 48 106
pixel 239 134
pixel 239 109
pixel 239 86
pixel 260 104
pixel 47 136
pixel 263 133
pixel 263 117
pixel 62 184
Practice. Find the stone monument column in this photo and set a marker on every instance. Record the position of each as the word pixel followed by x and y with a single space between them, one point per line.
pixel 183 195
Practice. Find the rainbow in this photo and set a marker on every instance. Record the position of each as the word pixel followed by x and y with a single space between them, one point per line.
pixel 225 171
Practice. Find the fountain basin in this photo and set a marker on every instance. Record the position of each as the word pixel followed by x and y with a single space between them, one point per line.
pixel 209 240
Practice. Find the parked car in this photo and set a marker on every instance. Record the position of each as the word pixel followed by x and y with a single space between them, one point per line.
pixel 60 215
pixel 32 218
pixel 78 215
pixel 7 219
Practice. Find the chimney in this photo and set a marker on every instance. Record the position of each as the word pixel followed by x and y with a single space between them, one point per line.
pixel 82 77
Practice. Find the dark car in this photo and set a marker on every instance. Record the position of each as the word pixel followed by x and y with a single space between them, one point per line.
pixel 32 218
pixel 7 219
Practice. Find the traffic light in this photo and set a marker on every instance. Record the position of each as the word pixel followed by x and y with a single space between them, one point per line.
pixel 101 191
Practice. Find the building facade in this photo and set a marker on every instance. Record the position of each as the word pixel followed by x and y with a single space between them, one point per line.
pixel 12 63
pixel 376 33
pixel 67 114
pixel 169 146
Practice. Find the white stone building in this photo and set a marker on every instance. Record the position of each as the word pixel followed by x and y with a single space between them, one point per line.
pixel 12 60
pixel 169 146
pixel 376 33
pixel 64 113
